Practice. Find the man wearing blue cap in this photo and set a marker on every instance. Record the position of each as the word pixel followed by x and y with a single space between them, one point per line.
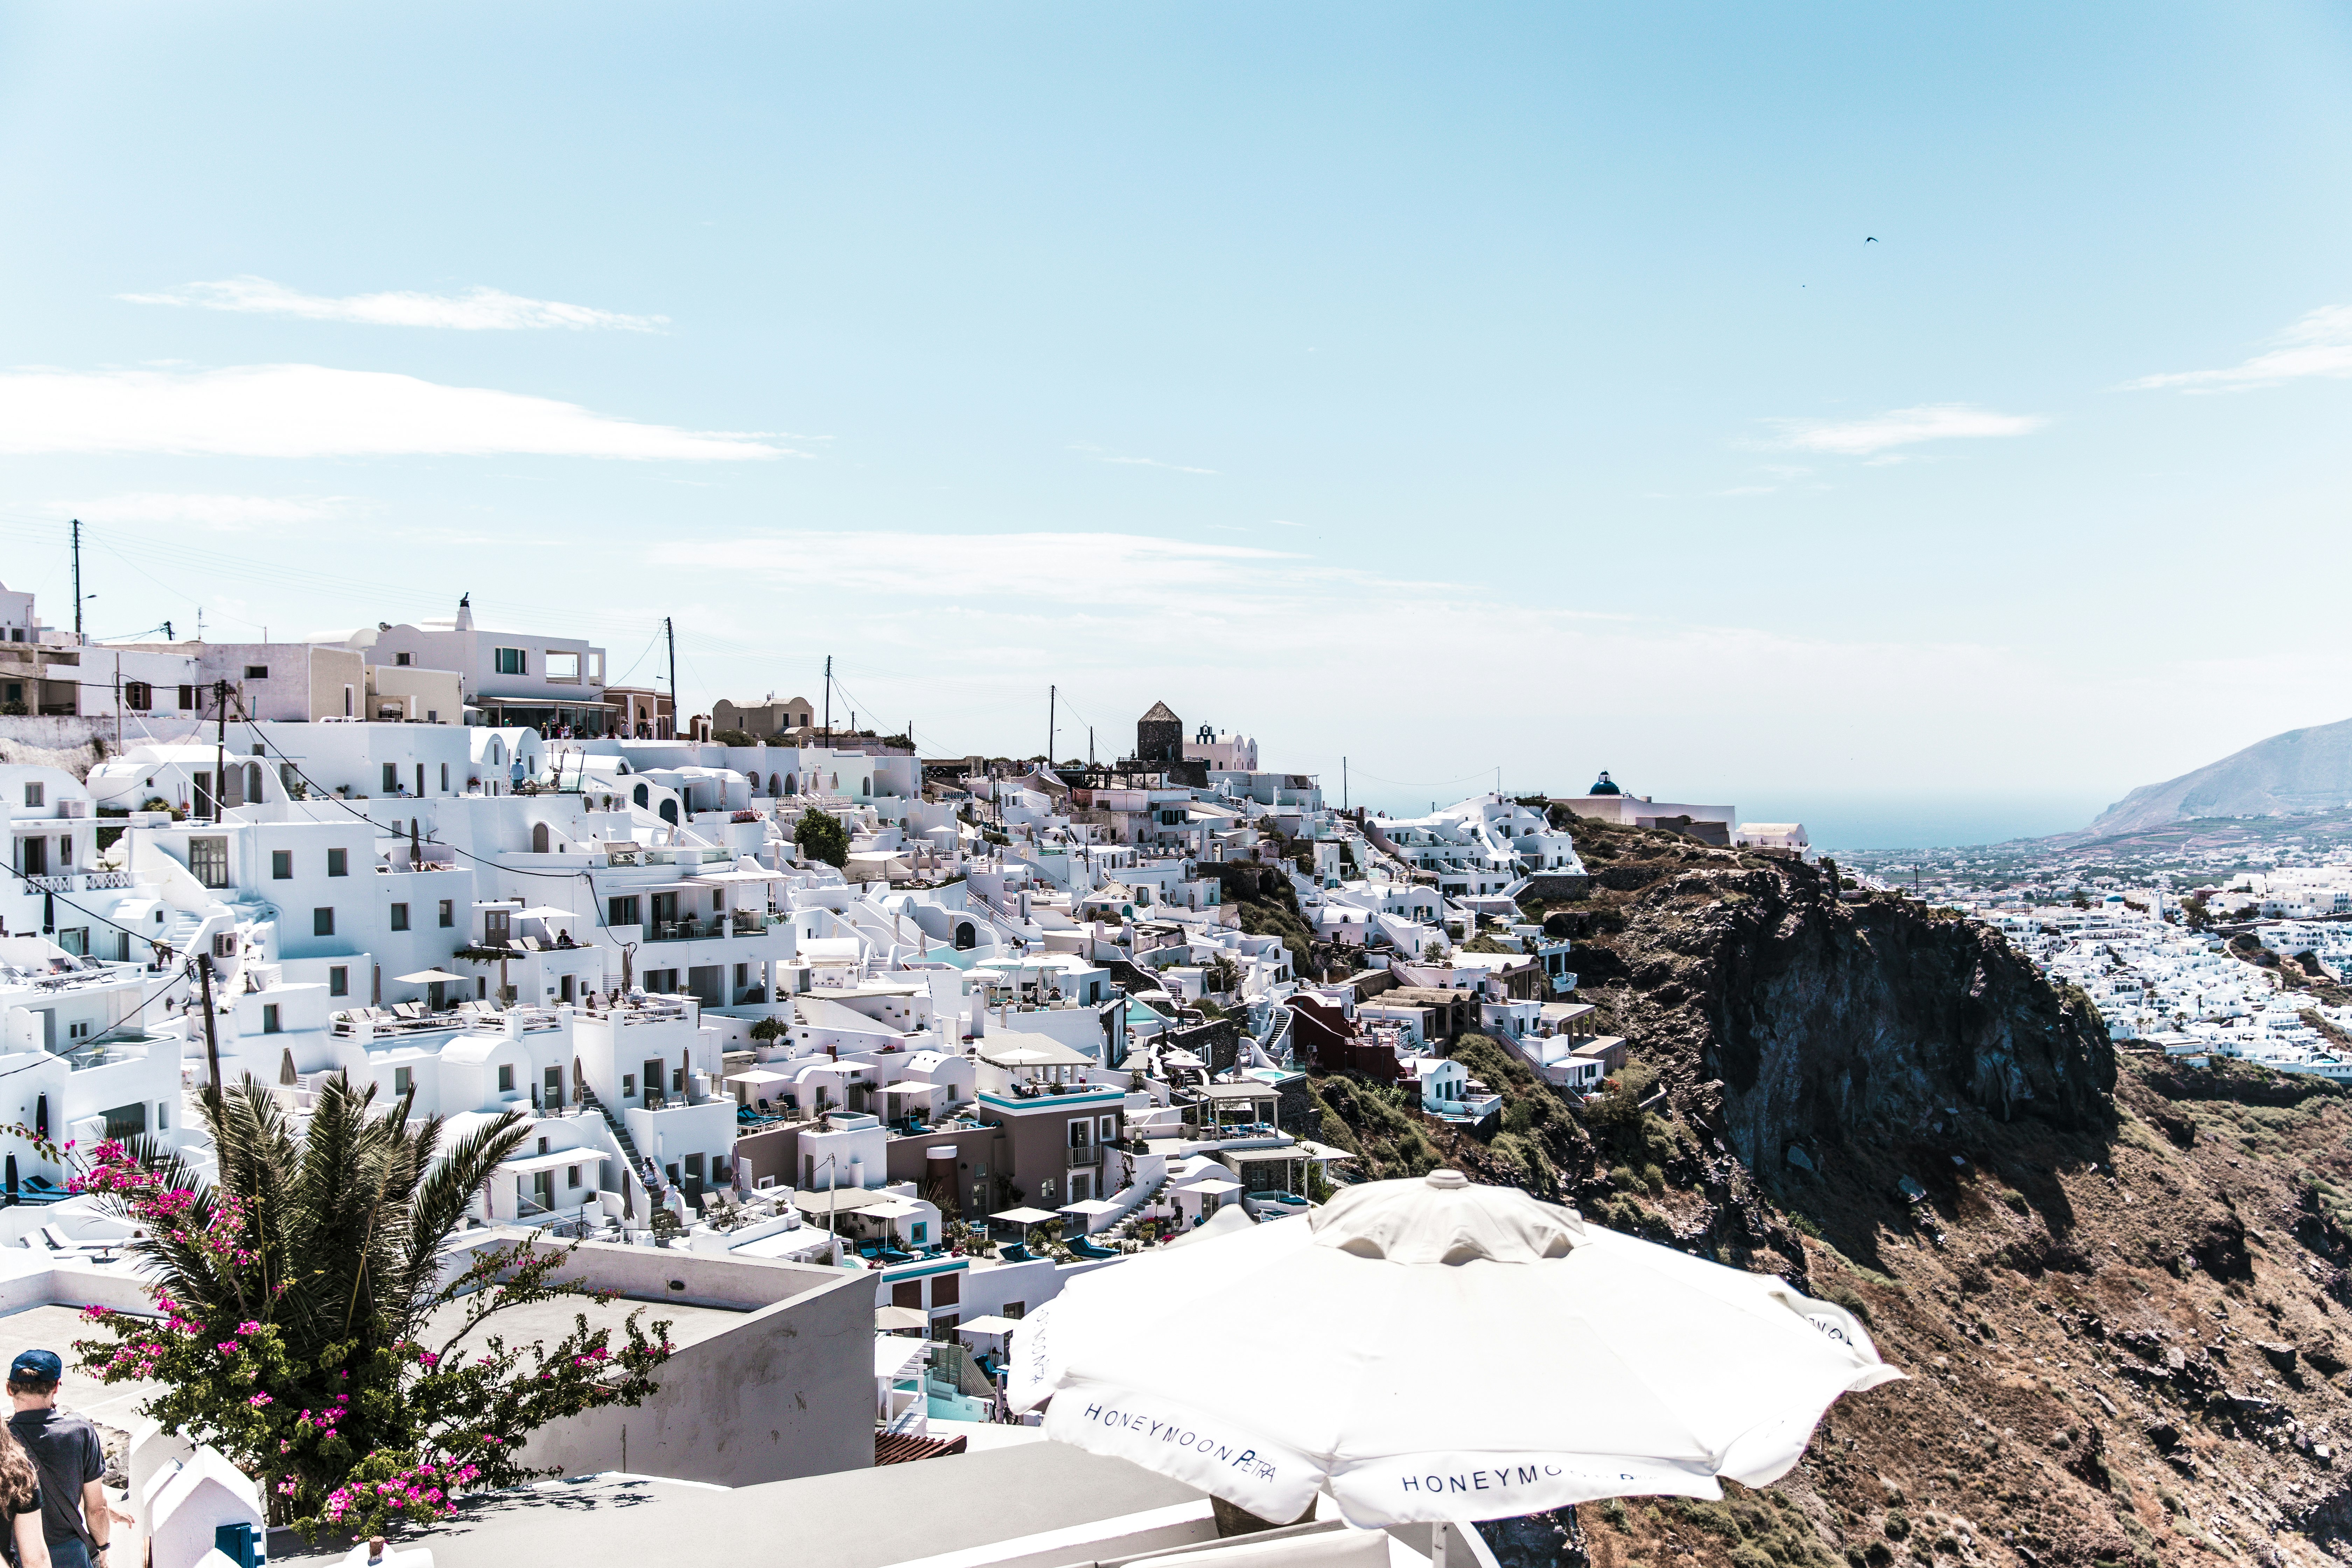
pixel 74 1515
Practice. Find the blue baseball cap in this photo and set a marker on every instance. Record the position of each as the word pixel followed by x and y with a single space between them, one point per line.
pixel 37 1366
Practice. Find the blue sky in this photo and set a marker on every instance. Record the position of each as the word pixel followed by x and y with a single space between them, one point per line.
pixel 1451 388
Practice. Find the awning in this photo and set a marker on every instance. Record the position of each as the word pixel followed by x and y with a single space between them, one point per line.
pixel 545 913
pixel 895 1356
pixel 901 1318
pixel 427 977
pixel 990 1324
pixel 1045 1053
pixel 1090 1207
pixel 892 1208
pixel 1217 1186
pixel 758 1078
pixel 554 1159
pixel 1025 1217
pixel 724 878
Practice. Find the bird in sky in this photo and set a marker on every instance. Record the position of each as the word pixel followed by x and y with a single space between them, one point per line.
pixel 1870 239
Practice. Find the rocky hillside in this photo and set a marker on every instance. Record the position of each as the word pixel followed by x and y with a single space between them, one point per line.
pixel 2118 1286
pixel 2300 771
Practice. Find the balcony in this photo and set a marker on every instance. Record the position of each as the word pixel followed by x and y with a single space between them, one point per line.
pixel 739 922
pixel 1086 1158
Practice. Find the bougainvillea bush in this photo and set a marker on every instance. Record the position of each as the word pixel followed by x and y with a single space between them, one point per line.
pixel 304 1324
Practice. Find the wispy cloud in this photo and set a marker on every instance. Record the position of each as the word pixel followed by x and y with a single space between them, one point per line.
pixel 1100 455
pixel 2319 345
pixel 223 511
pixel 475 310
pixel 311 411
pixel 1902 427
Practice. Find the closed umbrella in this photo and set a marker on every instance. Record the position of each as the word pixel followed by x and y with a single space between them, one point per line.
pixel 1430 1349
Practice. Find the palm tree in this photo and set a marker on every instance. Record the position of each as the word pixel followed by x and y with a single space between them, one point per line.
pixel 347 1220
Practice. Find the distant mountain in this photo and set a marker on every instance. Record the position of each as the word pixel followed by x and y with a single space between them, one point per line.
pixel 2288 775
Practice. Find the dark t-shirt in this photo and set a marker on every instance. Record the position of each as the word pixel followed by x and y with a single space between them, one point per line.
pixel 65 1450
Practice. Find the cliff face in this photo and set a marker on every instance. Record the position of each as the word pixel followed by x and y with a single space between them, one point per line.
pixel 1827 1021
pixel 2116 1286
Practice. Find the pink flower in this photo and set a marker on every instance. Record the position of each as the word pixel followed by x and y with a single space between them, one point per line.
pixel 248 1328
pixel 228 1347
pixel 258 1400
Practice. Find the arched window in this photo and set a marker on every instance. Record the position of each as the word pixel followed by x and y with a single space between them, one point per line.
pixel 966 939
pixel 642 796
pixel 669 812
pixel 252 782
pixel 773 782
pixel 539 838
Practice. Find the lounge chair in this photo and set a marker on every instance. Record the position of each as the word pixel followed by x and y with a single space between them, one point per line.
pixel 1013 1252
pixel 1085 1248
pixel 410 1010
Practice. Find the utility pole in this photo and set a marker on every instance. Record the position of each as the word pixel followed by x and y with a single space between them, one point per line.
pixel 118 704
pixel 1052 692
pixel 1343 784
pixel 828 700
pixel 1091 746
pixel 669 633
pixel 76 569
pixel 220 748
pixel 212 1045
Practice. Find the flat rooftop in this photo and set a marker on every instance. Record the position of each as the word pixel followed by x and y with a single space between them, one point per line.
pixel 53 1328
pixel 851 1519
pixel 550 1320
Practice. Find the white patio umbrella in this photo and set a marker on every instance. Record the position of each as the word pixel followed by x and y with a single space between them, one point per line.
pixel 1428 1349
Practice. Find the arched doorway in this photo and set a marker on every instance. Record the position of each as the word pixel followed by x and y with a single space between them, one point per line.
pixel 642 796
pixel 539 838
pixel 669 812
pixel 772 781
pixel 966 939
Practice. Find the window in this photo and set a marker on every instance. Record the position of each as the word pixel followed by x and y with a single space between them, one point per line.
pixel 37 795
pixel 908 1293
pixel 404 1080
pixel 512 661
pixel 347 701
pixel 403 660
pixel 562 666
pixel 621 911
pixel 919 1232
pixel 400 917
pixel 138 696
pixel 1012 1310
pixel 495 925
pixel 281 865
pixel 1081 1134
pixel 269 1019
pixel 257 672
pixel 322 923
pixel 162 1116
pixel 448 913
pixel 445 767
pixel 947 1289
pixel 432 716
pixel 628 1085
pixel 339 981
pixel 596 667
pixel 392 778
pixel 570 1175
pixel 75 940
pixel 506 1078
pixel 339 862
pixel 208 861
